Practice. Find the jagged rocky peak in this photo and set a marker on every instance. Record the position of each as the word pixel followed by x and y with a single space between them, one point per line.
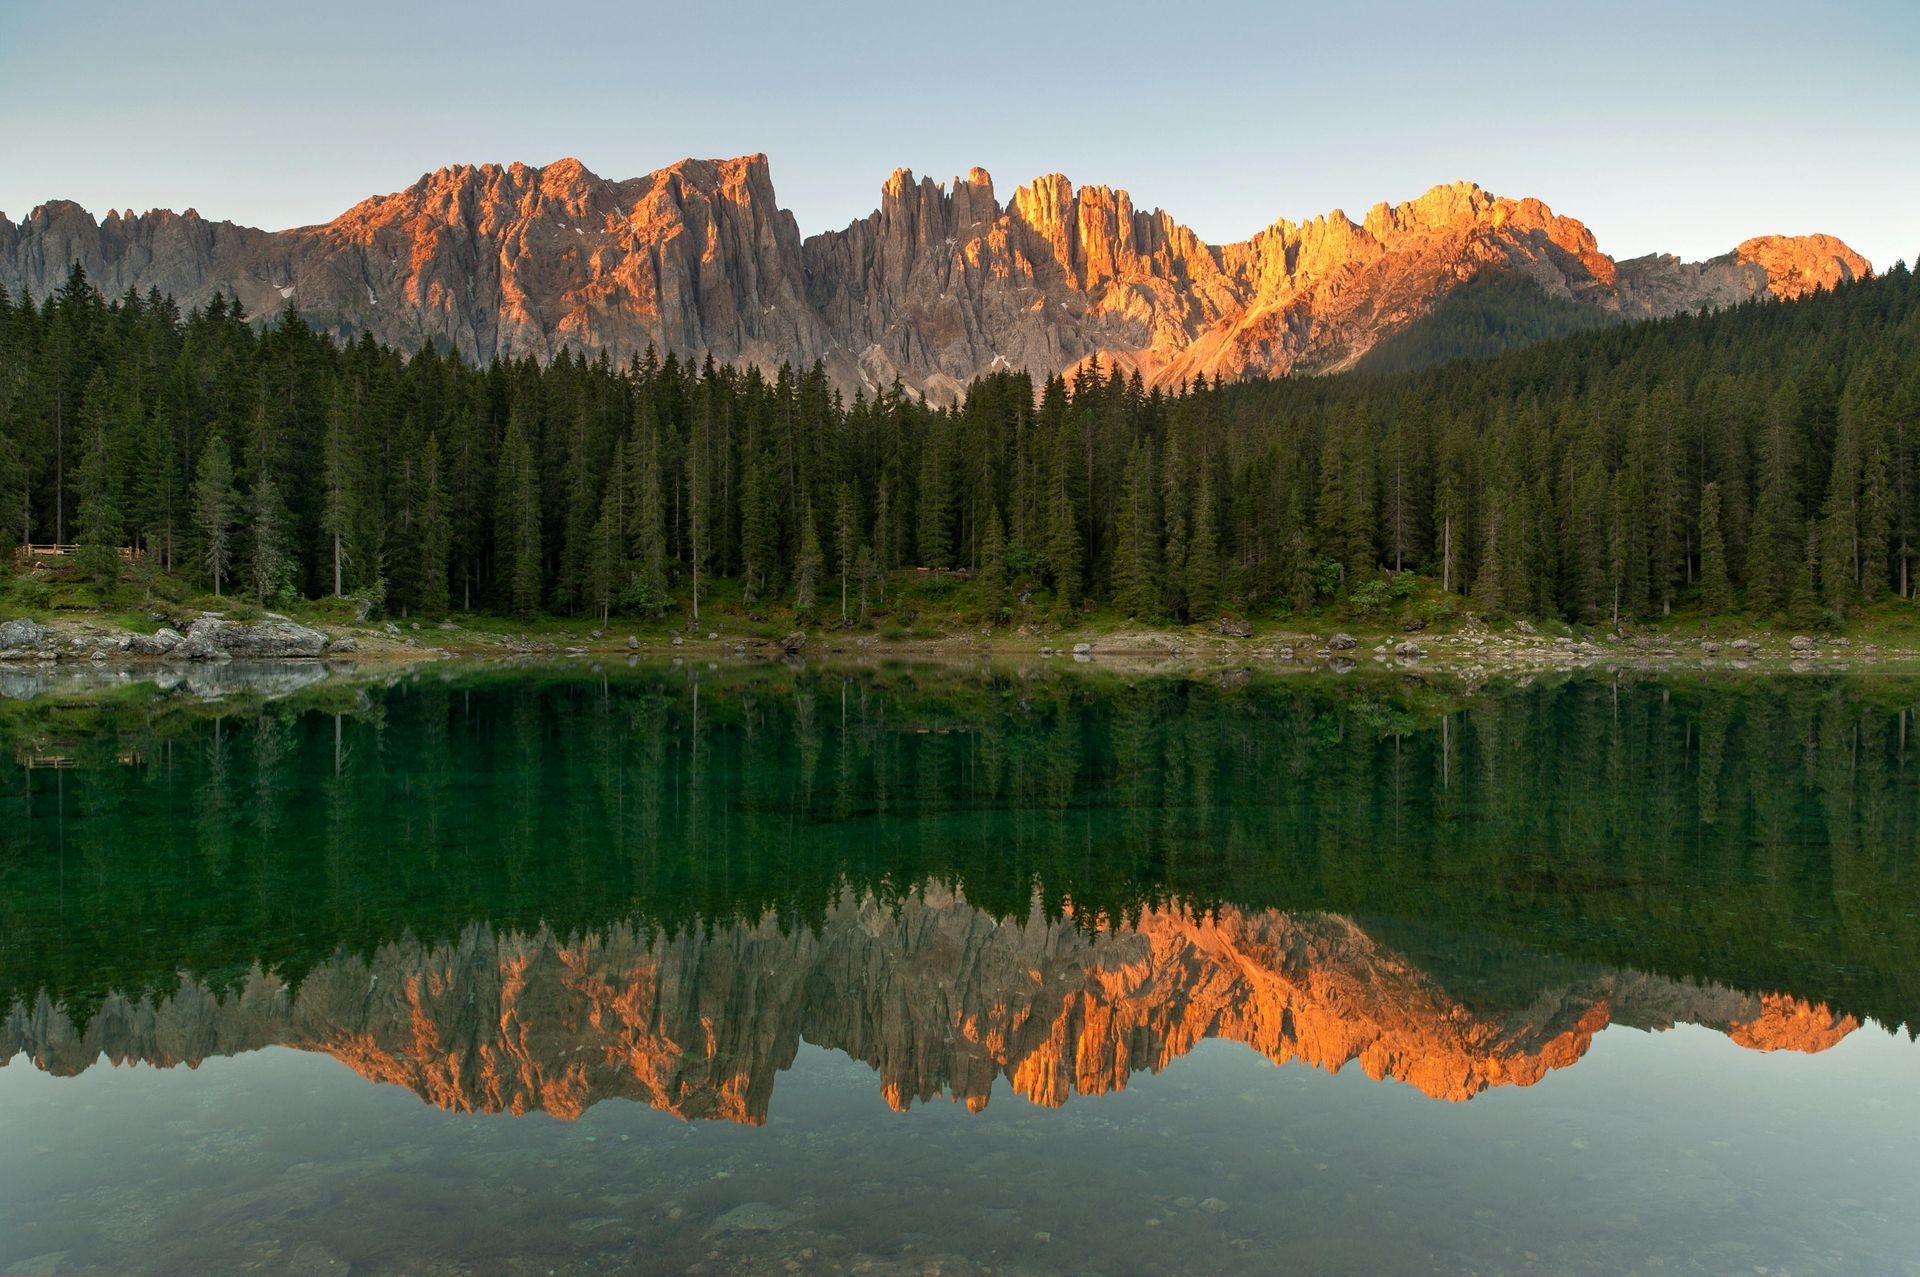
pixel 941 283
pixel 1800 264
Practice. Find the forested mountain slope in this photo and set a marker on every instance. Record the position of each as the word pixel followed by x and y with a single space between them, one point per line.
pixel 1762 458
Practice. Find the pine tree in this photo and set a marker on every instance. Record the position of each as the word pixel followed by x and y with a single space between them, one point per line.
pixel 1716 591
pixel 606 566
pixel 158 487
pixel 759 531
pixel 844 540
pixel 1063 534
pixel 268 569
pixel 1299 550
pixel 16 484
pixel 936 498
pixel 1203 556
pixel 993 567
pixel 214 508
pixel 1173 558
pixel 1876 527
pixel 99 512
pixel 649 523
pixel 1803 603
pixel 517 523
pixel 864 571
pixel 1346 506
pixel 807 567
pixel 1136 563
pixel 337 478
pixel 1490 586
pixel 699 541
pixel 883 560
pixel 1774 539
pixel 434 543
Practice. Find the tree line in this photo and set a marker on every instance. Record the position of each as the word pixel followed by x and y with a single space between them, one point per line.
pixel 1760 459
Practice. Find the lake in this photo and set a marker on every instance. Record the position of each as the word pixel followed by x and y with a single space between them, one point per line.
pixel 901 969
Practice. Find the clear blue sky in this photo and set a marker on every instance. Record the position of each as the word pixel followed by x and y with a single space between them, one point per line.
pixel 1674 126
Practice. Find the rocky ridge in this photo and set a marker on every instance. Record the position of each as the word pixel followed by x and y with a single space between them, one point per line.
pixel 940 998
pixel 940 284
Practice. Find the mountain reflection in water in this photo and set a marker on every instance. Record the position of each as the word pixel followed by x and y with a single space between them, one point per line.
pixel 530 891
pixel 939 998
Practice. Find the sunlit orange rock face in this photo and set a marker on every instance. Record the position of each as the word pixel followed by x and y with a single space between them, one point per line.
pixel 938 285
pixel 941 999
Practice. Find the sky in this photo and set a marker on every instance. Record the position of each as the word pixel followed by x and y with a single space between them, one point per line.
pixel 1680 127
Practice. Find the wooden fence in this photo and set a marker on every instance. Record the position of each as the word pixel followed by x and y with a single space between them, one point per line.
pixel 26 555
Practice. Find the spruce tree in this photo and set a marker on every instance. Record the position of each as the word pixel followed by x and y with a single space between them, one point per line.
pixel 606 564
pixel 807 567
pixel 1716 591
pixel 99 511
pixel 864 572
pixel 1876 527
pixel 267 566
pixel 936 498
pixel 337 479
pixel 1063 541
pixel 158 487
pixel 1299 551
pixel 1173 558
pixel 1203 555
pixel 649 524
pixel 993 568
pixel 434 542
pixel 1803 602
pixel 215 508
pixel 1136 563
pixel 517 523
pixel 844 539
pixel 759 531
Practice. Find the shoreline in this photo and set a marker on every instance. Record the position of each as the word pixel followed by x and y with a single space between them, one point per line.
pixel 1470 652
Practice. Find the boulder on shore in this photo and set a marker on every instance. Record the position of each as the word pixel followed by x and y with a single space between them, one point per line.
pixel 20 634
pixel 793 642
pixel 213 638
pixel 1342 643
pixel 159 643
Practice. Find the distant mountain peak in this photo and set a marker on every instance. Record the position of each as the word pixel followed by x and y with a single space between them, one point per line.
pixel 940 284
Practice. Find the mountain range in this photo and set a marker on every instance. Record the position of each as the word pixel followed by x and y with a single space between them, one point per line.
pixel 939 997
pixel 938 285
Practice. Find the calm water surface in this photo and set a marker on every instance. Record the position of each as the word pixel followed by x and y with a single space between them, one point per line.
pixel 909 971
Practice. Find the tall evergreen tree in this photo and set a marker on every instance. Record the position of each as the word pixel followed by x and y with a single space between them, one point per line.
pixel 845 540
pixel 517 523
pixel 99 514
pixel 215 508
pixel 1136 562
pixel 434 546
pixel 1716 590
pixel 1203 558
pixel 268 570
pixel 993 567
pixel 807 567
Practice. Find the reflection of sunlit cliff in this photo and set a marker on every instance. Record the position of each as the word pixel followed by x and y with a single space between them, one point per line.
pixel 940 998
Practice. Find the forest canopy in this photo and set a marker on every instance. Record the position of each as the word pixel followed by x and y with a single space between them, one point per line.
pixel 1761 459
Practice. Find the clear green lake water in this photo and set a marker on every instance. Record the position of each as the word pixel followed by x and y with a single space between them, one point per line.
pixel 957 970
